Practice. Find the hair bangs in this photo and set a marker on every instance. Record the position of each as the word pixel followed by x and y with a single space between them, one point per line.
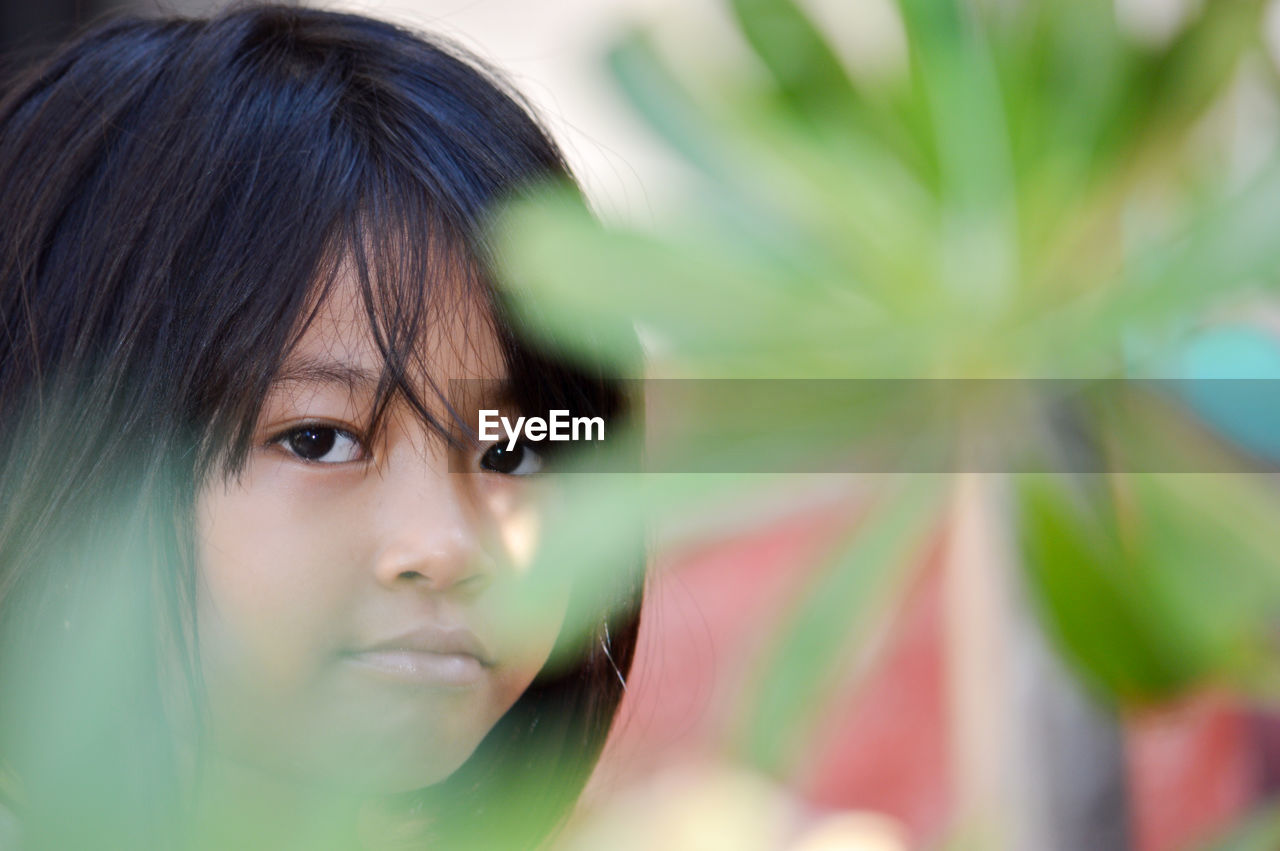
pixel 426 300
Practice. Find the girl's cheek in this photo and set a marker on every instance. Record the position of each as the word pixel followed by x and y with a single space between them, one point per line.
pixel 276 562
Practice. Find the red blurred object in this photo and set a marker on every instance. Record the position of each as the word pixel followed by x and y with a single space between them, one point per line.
pixel 1192 769
pixel 881 744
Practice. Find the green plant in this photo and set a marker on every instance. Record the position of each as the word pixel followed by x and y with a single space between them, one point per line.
pixel 1038 194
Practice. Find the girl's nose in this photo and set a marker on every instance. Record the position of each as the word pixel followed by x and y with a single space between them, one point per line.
pixel 429 541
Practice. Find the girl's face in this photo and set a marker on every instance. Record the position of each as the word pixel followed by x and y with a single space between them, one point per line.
pixel 348 611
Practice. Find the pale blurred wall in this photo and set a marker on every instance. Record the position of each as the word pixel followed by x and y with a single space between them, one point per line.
pixel 553 52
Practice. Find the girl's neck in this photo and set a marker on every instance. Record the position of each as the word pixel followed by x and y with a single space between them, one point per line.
pixel 238 805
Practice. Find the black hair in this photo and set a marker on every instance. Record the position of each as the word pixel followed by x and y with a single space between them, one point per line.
pixel 178 196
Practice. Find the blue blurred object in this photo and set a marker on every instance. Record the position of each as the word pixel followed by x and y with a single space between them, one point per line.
pixel 1228 377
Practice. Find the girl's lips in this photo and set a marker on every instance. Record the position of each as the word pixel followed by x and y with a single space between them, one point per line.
pixel 457 670
pixel 430 654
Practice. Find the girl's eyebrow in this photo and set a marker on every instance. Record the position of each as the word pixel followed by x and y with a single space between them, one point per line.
pixel 464 395
pixel 301 369
pixel 311 370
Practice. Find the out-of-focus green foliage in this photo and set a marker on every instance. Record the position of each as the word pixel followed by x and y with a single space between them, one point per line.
pixel 1161 582
pixel 1037 194
pixel 847 600
pixel 1259 832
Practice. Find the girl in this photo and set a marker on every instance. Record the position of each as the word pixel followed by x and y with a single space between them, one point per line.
pixel 246 599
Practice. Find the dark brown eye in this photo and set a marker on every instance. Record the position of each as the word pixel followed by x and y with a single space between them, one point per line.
pixel 321 444
pixel 518 460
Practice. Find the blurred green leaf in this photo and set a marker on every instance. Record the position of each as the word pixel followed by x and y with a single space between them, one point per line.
pixel 667 105
pixel 1162 581
pixel 1260 831
pixel 807 71
pixel 1034 196
pixel 1094 599
pixel 826 632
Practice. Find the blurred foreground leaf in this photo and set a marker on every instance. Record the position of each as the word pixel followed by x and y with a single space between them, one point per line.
pixel 1155 582
pixel 1038 195
pixel 1260 831
pixel 826 632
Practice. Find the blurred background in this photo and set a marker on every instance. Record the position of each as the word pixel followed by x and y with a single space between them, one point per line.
pixel 552 51
pixel 957 700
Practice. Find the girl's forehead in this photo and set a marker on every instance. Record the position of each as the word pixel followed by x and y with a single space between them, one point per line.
pixel 454 338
